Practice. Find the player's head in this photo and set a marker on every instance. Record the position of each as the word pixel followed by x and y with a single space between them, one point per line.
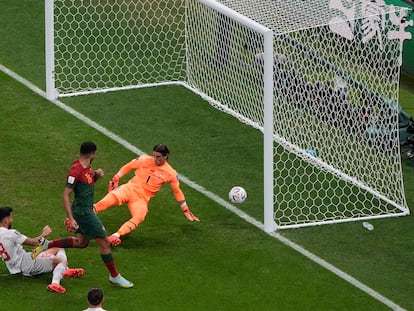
pixel 6 216
pixel 160 154
pixel 95 296
pixel 88 150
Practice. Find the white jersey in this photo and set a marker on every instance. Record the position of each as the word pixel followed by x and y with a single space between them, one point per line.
pixel 11 249
pixel 94 309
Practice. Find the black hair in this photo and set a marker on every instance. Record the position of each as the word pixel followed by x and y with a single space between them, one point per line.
pixel 87 148
pixel 95 296
pixel 5 212
pixel 161 148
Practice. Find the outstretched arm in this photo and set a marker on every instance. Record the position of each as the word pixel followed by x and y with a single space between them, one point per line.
pixel 179 196
pixel 114 182
pixel 35 241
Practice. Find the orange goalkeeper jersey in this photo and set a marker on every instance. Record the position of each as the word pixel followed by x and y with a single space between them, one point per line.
pixel 149 177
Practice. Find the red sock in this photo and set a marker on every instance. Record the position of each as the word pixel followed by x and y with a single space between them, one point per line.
pixel 66 242
pixel 110 264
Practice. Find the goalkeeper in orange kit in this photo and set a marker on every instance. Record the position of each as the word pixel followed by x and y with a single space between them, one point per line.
pixel 151 172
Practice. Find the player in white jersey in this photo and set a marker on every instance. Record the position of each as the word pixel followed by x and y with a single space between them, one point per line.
pixel 18 260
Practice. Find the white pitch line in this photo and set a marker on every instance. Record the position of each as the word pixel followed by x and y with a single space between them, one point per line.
pixel 212 196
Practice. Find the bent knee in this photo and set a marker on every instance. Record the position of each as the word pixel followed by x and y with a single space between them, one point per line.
pixel 81 243
pixel 103 244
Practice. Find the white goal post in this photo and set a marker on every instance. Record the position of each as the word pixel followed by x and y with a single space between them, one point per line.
pixel 319 78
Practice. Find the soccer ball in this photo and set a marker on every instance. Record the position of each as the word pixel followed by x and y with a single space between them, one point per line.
pixel 237 194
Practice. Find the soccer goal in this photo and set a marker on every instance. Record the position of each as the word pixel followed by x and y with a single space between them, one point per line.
pixel 319 78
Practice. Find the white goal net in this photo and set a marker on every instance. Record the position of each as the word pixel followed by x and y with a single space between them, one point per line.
pixel 327 80
pixel 101 45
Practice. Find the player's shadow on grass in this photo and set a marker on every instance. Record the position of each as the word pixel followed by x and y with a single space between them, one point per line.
pixel 17 282
pixel 162 237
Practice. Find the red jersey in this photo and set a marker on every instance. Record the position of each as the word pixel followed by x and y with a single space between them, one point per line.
pixel 82 181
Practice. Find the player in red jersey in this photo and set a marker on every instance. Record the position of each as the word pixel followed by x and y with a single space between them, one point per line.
pixel 81 217
pixel 151 172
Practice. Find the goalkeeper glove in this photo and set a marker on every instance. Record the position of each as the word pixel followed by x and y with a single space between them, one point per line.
pixel 190 216
pixel 114 183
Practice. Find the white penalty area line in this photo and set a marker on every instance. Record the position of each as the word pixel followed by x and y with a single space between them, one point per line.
pixel 211 195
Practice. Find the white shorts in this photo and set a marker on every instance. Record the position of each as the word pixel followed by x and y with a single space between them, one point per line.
pixel 42 264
